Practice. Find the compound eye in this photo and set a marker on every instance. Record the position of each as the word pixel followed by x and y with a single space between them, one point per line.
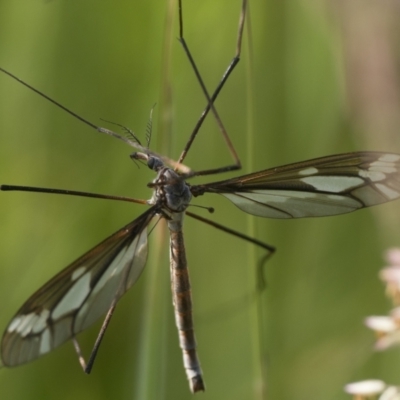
pixel 154 163
pixel 150 162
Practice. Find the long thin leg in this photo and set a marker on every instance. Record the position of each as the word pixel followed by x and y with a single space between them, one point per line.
pixel 210 100
pixel 224 310
pixel 99 338
pixel 70 192
pixel 225 77
pixel 270 249
pixel 87 367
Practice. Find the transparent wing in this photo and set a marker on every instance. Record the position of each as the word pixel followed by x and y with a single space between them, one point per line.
pixel 324 186
pixel 78 295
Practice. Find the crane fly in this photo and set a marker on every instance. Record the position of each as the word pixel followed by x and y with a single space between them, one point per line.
pixel 92 285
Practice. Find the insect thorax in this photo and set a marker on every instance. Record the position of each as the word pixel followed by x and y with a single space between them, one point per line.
pixel 171 191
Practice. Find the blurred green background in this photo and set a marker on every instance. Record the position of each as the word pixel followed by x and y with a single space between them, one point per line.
pixel 320 79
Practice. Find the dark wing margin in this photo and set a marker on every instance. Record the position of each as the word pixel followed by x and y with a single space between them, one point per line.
pixel 323 186
pixel 78 295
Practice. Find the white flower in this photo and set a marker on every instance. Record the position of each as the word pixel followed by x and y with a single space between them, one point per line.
pixel 369 387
